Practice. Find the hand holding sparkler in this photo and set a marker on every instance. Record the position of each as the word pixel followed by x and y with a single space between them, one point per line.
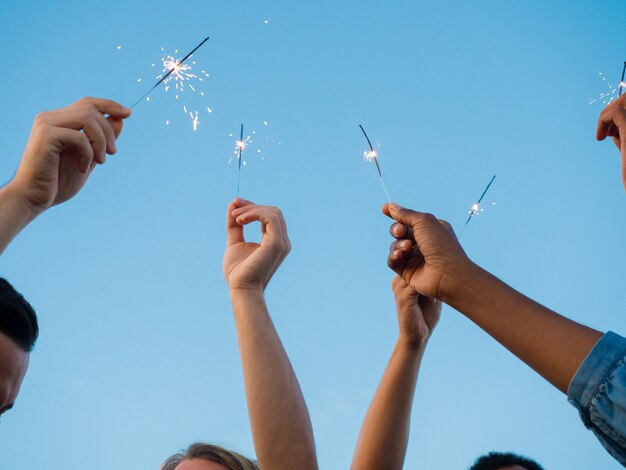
pixel 249 266
pixel 426 251
pixel 612 123
pixel 63 147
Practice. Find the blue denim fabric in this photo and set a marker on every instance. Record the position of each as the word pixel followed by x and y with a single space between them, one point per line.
pixel 598 391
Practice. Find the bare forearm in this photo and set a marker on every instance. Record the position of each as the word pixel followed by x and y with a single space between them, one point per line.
pixel 281 427
pixel 385 432
pixel 551 344
pixel 15 215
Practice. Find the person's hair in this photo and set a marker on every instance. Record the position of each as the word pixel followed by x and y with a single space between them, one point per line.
pixel 212 453
pixel 498 460
pixel 17 318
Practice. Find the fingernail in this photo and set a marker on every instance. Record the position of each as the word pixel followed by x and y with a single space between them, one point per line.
pixel 395 206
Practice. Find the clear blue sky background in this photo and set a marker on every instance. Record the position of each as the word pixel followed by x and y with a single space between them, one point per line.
pixel 137 356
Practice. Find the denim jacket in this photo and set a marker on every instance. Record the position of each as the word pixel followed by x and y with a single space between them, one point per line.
pixel 598 391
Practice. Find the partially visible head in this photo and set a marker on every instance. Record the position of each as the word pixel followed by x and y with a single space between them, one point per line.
pixel 201 456
pixel 18 333
pixel 504 461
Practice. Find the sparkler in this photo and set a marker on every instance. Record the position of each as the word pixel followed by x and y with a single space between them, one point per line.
pixel 476 205
pixel 174 67
pixel 622 84
pixel 372 155
pixel 240 146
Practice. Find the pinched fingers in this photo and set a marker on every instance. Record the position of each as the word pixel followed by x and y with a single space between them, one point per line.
pixel 104 106
pixel 400 253
pixel 609 118
pixel 275 228
pixel 97 129
pixel 408 217
pixel 76 141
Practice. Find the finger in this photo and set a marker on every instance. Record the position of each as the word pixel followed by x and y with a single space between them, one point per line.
pixel 606 119
pixel 109 134
pixel 96 136
pixel 396 261
pixel 398 230
pixel 270 216
pixel 117 125
pixel 109 107
pixel 78 142
pixel 404 246
pixel 234 231
pixel 78 119
pixel 241 202
pixel 407 216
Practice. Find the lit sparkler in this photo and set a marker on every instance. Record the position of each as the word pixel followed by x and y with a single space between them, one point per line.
pixel 240 146
pixel 476 206
pixel 622 84
pixel 370 155
pixel 174 69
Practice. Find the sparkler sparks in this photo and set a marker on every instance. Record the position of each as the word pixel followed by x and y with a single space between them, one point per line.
pixel 476 206
pixel 372 155
pixel 240 146
pixel 612 92
pixel 176 73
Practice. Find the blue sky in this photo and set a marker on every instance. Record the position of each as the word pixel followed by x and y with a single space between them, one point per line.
pixel 138 357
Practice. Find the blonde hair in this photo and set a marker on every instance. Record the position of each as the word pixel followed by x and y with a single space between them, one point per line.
pixel 212 453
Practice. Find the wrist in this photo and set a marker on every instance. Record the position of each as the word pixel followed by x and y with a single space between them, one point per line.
pixel 460 283
pixel 12 196
pixel 411 345
pixel 247 292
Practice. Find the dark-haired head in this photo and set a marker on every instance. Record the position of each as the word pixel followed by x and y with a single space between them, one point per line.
pixel 17 318
pixel 506 460
pixel 18 333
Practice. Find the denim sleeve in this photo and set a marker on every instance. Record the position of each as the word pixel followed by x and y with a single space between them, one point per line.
pixel 598 391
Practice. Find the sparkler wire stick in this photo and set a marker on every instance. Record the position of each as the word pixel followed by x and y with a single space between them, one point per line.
pixel 474 210
pixel 373 154
pixel 240 146
pixel 621 83
pixel 164 77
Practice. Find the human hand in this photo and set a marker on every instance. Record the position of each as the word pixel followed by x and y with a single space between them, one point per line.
pixel 417 315
pixel 63 148
pixel 612 122
pixel 426 252
pixel 247 265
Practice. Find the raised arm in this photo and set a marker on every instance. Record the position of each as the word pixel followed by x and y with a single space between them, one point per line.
pixel 281 427
pixel 551 344
pixel 63 148
pixel 385 432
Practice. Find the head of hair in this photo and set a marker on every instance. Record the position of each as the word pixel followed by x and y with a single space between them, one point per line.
pixel 212 453
pixel 498 460
pixel 17 318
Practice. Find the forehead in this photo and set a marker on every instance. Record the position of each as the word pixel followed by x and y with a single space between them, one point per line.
pixel 13 366
pixel 200 464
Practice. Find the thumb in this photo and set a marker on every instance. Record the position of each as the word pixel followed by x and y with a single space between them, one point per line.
pixel 402 215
